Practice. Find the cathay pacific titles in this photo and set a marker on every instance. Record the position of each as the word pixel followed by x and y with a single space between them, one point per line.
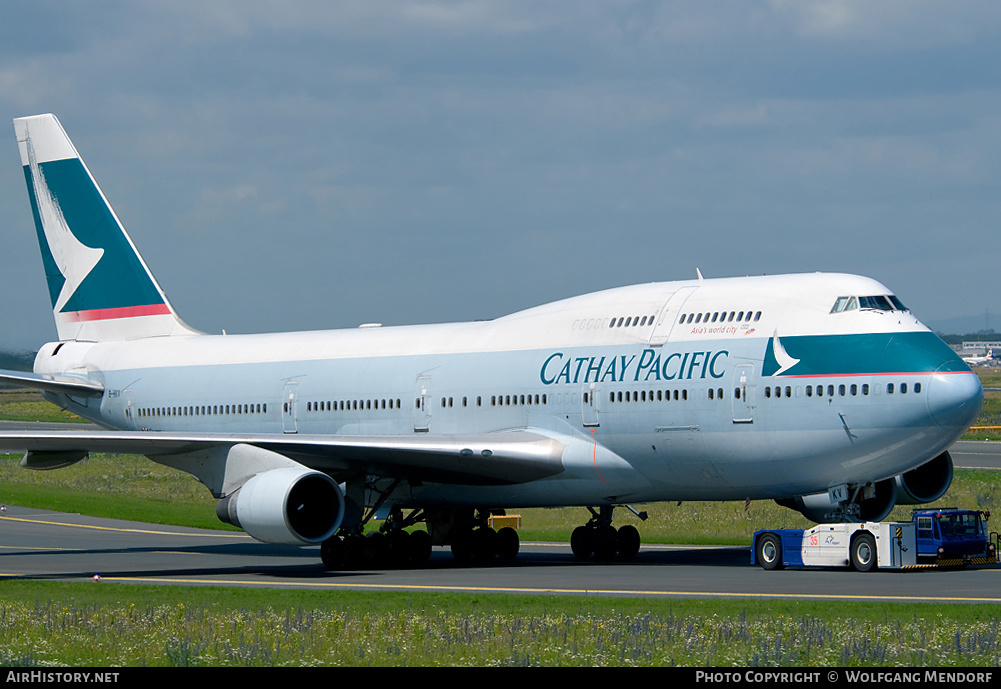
pixel 567 369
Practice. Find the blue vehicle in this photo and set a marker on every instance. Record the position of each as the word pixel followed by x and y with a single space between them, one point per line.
pixel 950 537
pixel 944 537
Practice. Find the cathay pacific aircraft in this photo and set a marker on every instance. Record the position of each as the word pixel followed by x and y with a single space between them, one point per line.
pixel 820 391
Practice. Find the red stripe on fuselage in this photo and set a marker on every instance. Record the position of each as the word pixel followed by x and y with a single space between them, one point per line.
pixel 121 312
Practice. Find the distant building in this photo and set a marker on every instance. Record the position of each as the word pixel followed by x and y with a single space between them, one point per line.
pixel 975 346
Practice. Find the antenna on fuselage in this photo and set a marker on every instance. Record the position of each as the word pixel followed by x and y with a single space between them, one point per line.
pixel 699 273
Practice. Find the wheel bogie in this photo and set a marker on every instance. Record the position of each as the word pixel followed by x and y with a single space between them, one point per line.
pixel 598 538
pixel 376 550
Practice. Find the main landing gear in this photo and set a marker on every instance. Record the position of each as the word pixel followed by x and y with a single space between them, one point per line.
pixel 602 540
pixel 466 531
pixel 470 537
pixel 391 546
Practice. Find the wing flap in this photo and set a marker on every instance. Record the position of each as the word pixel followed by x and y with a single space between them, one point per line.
pixel 502 457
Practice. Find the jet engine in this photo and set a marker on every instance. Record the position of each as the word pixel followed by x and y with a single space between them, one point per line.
pixel 873 502
pixel 926 483
pixel 290 505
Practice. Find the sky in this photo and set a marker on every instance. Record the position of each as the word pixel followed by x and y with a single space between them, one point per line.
pixel 304 165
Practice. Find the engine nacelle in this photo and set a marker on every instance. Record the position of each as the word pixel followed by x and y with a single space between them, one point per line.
pixel 291 505
pixel 874 504
pixel 926 483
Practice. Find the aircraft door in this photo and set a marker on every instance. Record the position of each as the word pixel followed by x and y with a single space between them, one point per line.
pixel 743 393
pixel 422 405
pixel 668 316
pixel 131 423
pixel 289 422
pixel 589 405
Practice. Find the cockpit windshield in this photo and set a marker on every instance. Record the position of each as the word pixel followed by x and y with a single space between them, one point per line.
pixel 881 302
pixel 877 303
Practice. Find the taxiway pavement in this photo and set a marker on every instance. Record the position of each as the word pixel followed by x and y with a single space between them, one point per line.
pixel 43 545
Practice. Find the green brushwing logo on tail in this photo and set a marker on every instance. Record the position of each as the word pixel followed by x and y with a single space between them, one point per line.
pixel 84 250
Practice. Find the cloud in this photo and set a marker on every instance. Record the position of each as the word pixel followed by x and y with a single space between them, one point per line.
pixel 433 161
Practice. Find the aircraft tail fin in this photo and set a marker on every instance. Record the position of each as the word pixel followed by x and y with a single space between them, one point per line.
pixel 100 287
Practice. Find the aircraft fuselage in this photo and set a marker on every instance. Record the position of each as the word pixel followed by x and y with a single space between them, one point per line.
pixel 763 397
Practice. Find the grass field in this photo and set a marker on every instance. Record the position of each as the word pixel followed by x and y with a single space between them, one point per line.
pixel 990 413
pixel 50 624
pixel 95 624
pixel 28 405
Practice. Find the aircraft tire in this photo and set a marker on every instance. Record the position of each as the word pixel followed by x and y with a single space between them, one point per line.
pixel 354 551
pixel 606 542
pixel 629 541
pixel 582 542
pixel 462 546
pixel 484 544
pixel 399 548
pixel 332 553
pixel 377 550
pixel 508 544
pixel 419 547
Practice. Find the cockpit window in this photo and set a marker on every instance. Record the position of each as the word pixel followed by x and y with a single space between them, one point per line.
pixel 877 303
pixel 844 304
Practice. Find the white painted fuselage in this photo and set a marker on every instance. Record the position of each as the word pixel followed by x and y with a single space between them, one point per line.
pixel 649 407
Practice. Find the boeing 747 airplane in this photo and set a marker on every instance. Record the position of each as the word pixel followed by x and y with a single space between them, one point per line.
pixel 820 391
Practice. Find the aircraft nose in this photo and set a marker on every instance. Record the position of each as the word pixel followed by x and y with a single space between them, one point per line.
pixel 954 399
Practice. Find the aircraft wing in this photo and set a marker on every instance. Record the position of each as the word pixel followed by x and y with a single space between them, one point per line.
pixel 502 457
pixel 68 385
